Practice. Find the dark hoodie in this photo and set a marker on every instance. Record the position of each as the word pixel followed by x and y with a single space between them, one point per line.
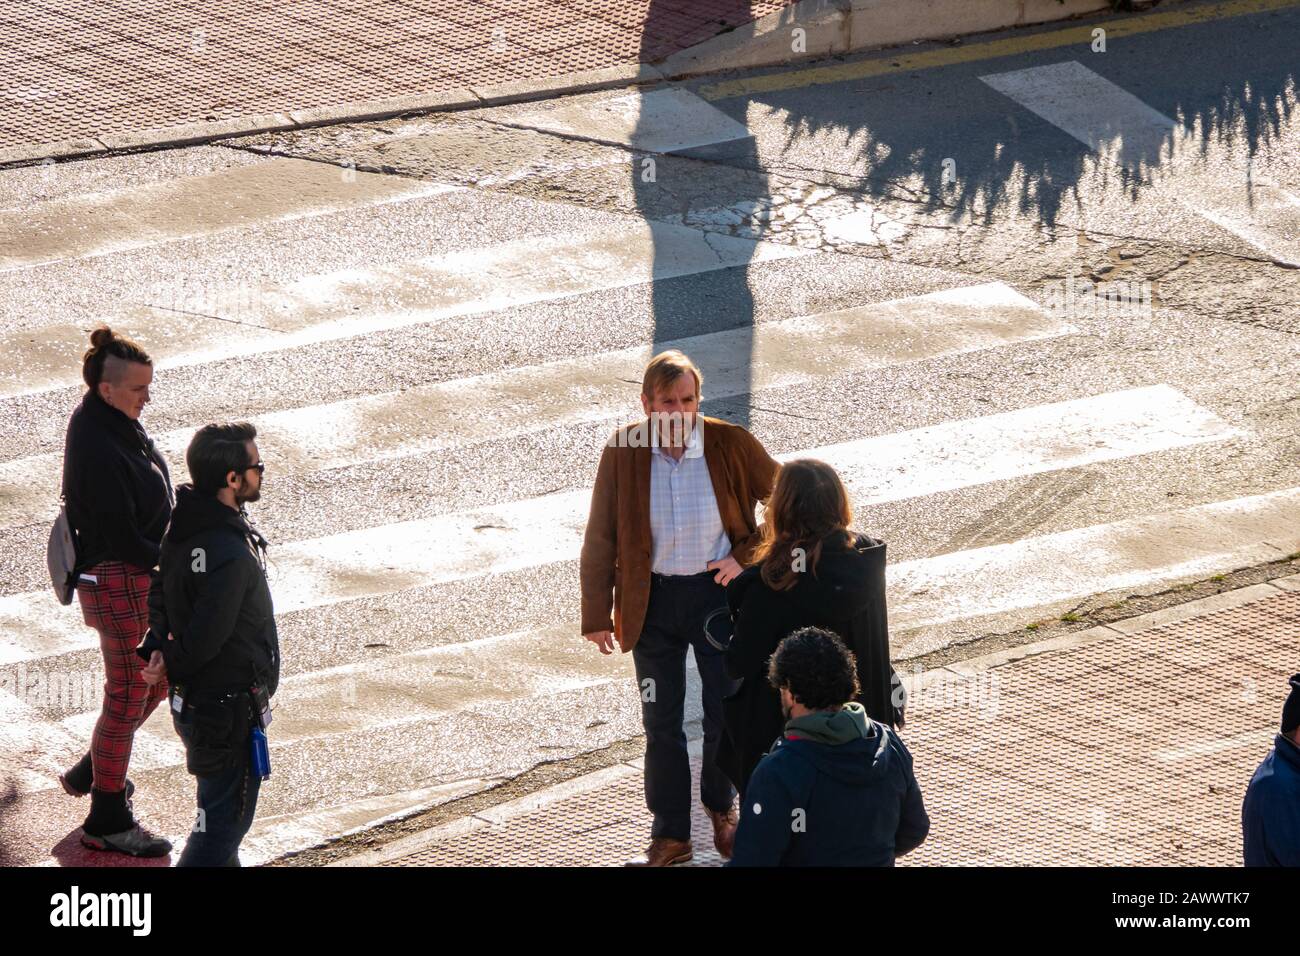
pixel 836 790
pixel 1270 813
pixel 116 486
pixel 845 595
pixel 211 593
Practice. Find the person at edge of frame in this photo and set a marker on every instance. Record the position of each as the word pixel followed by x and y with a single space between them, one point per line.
pixel 837 788
pixel 1270 812
pixel 671 524
pixel 220 651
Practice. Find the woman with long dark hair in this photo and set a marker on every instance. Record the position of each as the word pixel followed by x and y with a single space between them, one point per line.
pixel 810 570
pixel 119 500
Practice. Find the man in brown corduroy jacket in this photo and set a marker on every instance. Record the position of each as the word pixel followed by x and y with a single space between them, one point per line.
pixel 672 522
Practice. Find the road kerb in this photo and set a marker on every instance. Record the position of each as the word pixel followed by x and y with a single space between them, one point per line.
pixel 587 81
pixel 1182 612
pixel 65 149
pixel 1126 627
pixel 366 111
pixel 498 815
pixel 192 133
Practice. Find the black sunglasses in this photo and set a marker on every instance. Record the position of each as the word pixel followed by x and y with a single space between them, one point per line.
pixel 261 468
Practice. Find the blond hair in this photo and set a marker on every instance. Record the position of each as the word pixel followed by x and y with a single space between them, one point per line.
pixel 666 368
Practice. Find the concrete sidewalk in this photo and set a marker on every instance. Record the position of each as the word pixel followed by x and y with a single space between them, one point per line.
pixel 1128 744
pixel 82 76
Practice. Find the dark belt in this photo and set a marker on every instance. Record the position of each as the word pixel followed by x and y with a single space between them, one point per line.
pixel 672 579
pixel 193 697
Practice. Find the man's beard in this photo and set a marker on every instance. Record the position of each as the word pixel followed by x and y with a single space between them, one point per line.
pixel 673 429
pixel 243 498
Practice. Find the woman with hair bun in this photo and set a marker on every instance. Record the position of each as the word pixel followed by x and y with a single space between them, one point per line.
pixel 809 570
pixel 119 500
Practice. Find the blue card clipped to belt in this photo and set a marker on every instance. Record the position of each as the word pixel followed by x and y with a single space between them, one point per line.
pixel 261 753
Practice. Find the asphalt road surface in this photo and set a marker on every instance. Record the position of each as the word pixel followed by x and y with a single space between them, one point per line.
pixel 1038 304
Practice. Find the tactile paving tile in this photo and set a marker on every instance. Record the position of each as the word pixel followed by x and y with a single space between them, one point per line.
pixel 85 68
pixel 1132 759
pixel 601 828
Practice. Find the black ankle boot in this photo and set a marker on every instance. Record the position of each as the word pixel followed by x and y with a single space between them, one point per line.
pixel 111 826
pixel 109 813
pixel 79 780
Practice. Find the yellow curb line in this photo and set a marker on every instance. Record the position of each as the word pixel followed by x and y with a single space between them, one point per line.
pixel 929 59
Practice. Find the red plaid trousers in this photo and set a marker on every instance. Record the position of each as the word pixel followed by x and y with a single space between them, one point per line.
pixel 116 605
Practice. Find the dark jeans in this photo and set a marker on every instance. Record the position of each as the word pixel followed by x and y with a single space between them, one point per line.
pixel 227 802
pixel 674 621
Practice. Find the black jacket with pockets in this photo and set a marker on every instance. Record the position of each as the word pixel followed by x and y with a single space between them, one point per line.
pixel 116 486
pixel 211 593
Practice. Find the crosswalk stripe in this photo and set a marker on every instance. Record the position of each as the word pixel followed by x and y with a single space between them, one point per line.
pixel 1106 118
pixel 407 687
pixel 592 388
pixel 1122 129
pixel 30 742
pixel 655 121
pixel 342 701
pixel 1038 571
pixel 96 224
pixel 538 531
pixel 356 302
pixel 1029 441
pixel 446 679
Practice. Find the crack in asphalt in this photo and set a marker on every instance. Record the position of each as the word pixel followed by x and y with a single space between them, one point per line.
pixel 567 137
pixel 219 318
pixel 717 252
pixel 778 411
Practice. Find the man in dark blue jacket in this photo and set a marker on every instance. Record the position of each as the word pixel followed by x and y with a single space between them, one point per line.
pixel 1270 814
pixel 837 789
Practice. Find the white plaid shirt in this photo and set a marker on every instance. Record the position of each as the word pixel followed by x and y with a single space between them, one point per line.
pixel 686 530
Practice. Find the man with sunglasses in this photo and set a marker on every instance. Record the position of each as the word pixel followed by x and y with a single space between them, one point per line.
pixel 212 634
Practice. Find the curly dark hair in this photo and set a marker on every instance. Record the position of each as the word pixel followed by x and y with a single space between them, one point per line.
pixel 816 667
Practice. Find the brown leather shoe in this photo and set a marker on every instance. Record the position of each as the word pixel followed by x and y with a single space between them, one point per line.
pixel 663 851
pixel 724 829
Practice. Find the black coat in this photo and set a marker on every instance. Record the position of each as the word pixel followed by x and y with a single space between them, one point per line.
pixel 845 595
pixel 117 489
pixel 220 611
